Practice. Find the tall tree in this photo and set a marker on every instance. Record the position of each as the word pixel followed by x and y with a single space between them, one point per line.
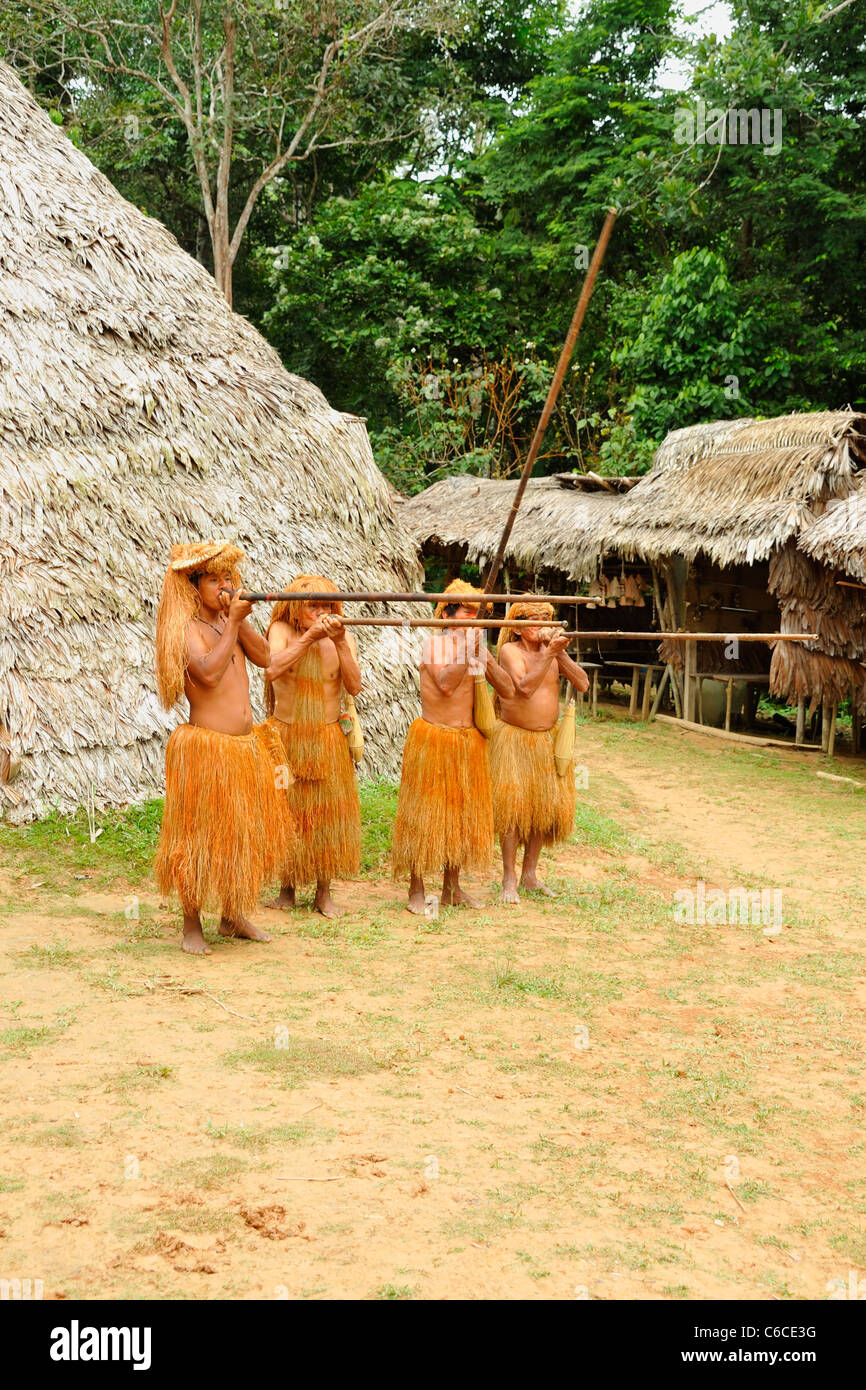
pixel 264 84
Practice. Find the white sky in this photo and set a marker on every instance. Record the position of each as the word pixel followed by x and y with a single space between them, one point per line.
pixel 712 18
pixel 715 18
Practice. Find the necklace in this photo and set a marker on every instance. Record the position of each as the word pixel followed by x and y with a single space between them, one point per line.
pixel 218 630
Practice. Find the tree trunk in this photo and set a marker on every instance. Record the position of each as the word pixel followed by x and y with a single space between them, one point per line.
pixel 222 261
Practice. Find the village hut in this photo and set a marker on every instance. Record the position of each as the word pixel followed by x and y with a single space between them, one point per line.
pixel 137 410
pixel 555 539
pixel 719 517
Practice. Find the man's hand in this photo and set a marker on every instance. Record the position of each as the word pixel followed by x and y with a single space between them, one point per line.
pixel 317 630
pixel 476 653
pixel 237 608
pixel 558 642
pixel 334 628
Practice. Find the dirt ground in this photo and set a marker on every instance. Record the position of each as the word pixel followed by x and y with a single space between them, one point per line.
pixel 574 1098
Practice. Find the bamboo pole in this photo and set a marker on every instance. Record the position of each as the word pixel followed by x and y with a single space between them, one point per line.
pixel 666 675
pixel 251 596
pixel 800 734
pixel 555 385
pixel 732 737
pixel 690 666
pixel 445 622
pixel 831 736
pixel 586 632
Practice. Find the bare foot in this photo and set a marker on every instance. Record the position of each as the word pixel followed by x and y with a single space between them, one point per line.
pixel 194 943
pixel 457 897
pixel 324 903
pixel 284 899
pixel 509 891
pixel 535 885
pixel 242 927
pixel 417 903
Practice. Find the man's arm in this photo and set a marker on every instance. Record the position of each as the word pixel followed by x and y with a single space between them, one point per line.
pixel 446 678
pixel 446 659
pixel 207 665
pixel 255 646
pixel 524 683
pixel 499 678
pixel 287 649
pixel 572 672
pixel 347 654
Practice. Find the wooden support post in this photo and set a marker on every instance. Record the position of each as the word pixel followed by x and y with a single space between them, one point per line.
pixel 676 687
pixel 855 730
pixel 700 681
pixel 728 700
pixel 594 705
pixel 825 725
pixel 831 736
pixel 660 688
pixel 690 667
pixel 800 735
pixel 635 681
pixel 647 691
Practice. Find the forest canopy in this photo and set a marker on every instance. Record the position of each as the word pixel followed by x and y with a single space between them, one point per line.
pixel 403 198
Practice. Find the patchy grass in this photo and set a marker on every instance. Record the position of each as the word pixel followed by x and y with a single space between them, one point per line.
pixel 258 1138
pixel 21 1039
pixel 299 1059
pixel 59 847
pixel 143 1074
pixel 205 1173
pixel 378 808
pixel 515 985
pixel 56 953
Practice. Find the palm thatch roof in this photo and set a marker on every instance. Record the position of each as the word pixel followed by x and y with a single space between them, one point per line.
pixel 136 410
pixel 736 490
pixel 810 600
pixel 838 537
pixel 559 525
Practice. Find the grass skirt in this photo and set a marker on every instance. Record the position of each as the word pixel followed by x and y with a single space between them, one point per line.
pixel 226 828
pixel 528 796
pixel 326 809
pixel 444 812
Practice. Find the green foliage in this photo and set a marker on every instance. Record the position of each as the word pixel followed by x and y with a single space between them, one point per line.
pixel 378 809
pixel 406 270
pixel 424 276
pixel 61 847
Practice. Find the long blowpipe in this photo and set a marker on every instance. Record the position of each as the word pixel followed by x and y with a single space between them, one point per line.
pixel 702 636
pixel 381 597
pixel 555 385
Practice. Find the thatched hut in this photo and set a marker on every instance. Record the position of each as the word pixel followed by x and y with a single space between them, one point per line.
pixel 719 517
pixel 556 537
pixel 136 410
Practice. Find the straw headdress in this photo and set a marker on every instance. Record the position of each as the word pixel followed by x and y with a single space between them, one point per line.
pixel 180 603
pixel 529 608
pixel 462 592
pixel 309 697
pixel 290 610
